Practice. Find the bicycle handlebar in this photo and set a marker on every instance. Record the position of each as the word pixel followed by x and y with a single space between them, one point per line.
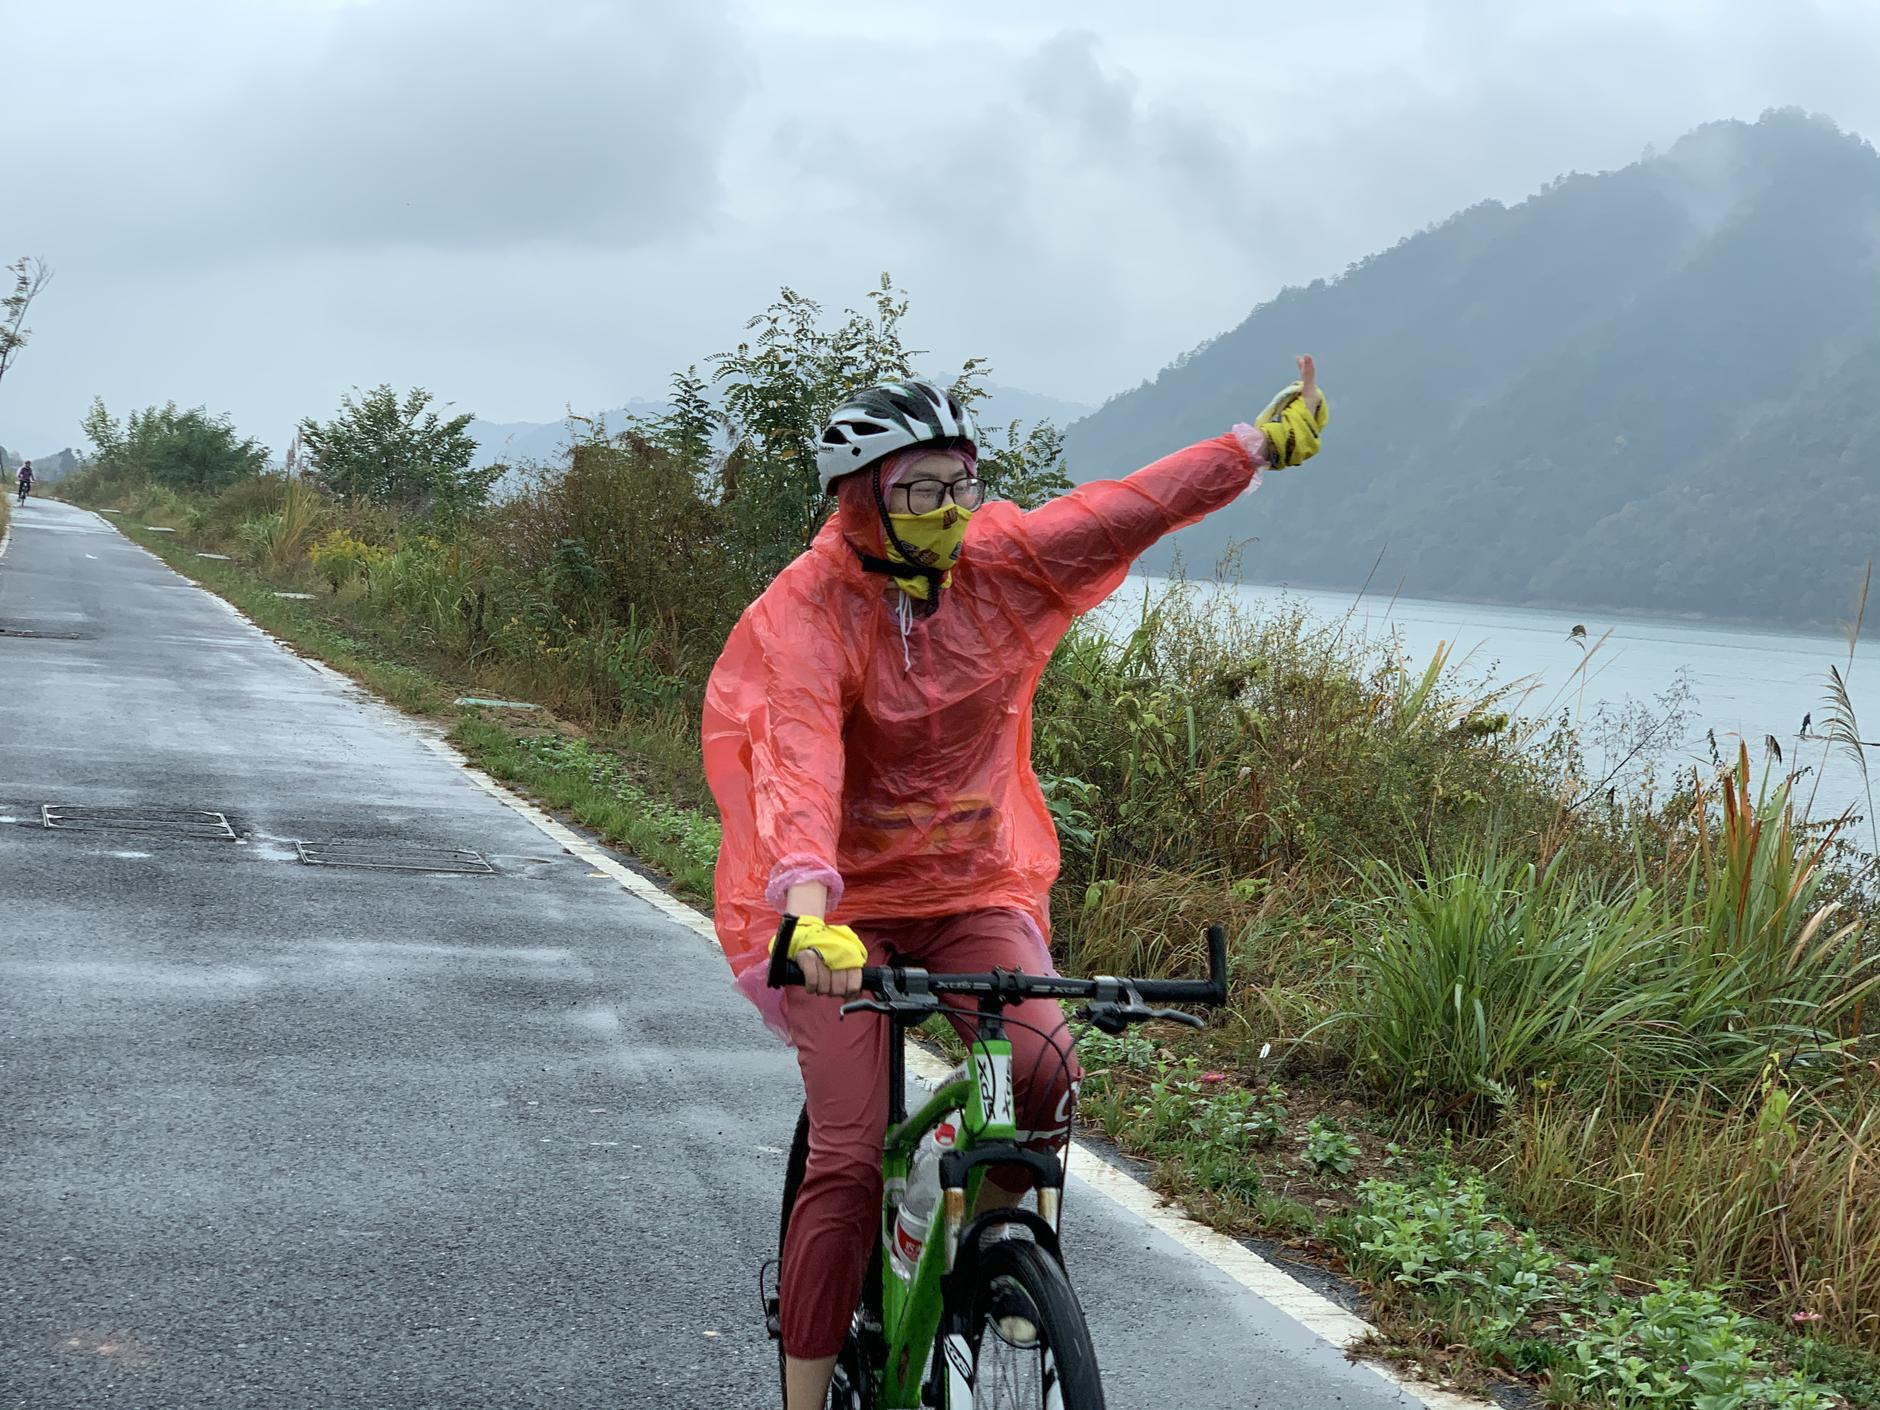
pixel 1010 986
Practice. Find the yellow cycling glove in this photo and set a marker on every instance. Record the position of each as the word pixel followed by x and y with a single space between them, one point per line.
pixel 1291 428
pixel 839 946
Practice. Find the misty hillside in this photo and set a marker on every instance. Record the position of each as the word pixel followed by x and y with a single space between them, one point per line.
pixel 542 442
pixel 1004 405
pixel 1656 388
pixel 524 442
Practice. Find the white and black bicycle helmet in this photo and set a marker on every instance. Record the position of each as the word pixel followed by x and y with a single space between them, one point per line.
pixel 887 418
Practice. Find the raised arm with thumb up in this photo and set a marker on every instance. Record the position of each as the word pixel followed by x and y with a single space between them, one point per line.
pixel 1293 420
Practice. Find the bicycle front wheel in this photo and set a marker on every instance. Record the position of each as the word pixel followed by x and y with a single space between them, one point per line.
pixel 1026 1346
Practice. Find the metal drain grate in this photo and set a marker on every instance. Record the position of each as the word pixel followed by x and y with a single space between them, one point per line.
pixel 176 822
pixel 375 854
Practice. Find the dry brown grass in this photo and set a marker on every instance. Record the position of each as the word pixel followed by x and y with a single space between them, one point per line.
pixel 1778 1199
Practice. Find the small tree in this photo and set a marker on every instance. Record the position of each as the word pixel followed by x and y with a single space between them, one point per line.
pixel 1028 469
pixel 689 429
pixel 780 387
pixel 30 276
pixel 392 450
pixel 185 450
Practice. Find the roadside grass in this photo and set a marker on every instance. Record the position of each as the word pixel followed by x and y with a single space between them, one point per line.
pixel 1465 999
pixel 1460 1285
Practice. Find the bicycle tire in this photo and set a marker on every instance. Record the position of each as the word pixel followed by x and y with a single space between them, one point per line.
pixel 1059 1369
pixel 852 1387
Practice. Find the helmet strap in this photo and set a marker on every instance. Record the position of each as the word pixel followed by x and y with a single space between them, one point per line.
pixel 910 569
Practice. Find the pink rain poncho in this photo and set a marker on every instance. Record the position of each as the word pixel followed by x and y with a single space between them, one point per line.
pixel 898 772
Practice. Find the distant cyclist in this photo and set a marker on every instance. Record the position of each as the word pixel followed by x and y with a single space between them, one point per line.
pixel 867 736
pixel 26 479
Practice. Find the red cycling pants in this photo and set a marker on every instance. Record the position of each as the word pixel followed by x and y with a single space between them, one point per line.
pixel 844 1061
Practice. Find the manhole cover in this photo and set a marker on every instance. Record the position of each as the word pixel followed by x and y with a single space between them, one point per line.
pixel 374 854
pixel 177 822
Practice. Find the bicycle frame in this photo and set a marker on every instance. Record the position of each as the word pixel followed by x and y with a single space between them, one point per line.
pixel 930 1309
pixel 911 1309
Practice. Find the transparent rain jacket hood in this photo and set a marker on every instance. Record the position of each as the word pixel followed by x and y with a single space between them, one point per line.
pixel 897 771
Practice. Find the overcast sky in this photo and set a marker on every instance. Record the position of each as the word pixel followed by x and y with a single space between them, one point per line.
pixel 256 204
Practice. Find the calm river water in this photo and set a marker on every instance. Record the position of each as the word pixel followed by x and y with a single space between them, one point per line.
pixel 1741 682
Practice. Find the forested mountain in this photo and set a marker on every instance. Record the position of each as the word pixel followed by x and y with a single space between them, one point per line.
pixel 1655 388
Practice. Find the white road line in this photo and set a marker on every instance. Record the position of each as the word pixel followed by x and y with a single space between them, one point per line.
pixel 1274 1286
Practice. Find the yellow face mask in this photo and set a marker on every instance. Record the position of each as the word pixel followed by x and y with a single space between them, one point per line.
pixel 933 540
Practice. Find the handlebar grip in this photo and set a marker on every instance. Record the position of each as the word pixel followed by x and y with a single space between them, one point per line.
pixel 1217 964
pixel 783 970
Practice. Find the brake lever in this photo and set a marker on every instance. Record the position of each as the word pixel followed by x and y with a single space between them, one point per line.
pixel 1114 1019
pixel 1193 1020
pixel 903 1004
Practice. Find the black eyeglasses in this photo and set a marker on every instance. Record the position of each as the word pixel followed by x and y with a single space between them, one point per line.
pixel 925 496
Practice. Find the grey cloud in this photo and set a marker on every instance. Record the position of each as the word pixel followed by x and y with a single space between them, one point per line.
pixel 1052 153
pixel 1057 192
pixel 1171 150
pixel 1064 81
pixel 442 124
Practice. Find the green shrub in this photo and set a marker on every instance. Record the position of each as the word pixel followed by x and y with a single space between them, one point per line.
pixel 342 558
pixel 1677 1346
pixel 245 499
pixel 1328 1149
pixel 1435 1237
pixel 436 588
pixel 1213 735
pixel 181 450
pixel 626 530
pixel 388 449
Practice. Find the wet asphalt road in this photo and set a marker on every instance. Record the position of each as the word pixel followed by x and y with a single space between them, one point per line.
pixel 278 1135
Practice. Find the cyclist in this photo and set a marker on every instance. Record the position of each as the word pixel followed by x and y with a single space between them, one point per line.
pixel 867 737
pixel 25 479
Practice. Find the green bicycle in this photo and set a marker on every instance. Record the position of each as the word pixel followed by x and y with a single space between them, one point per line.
pixel 987 1319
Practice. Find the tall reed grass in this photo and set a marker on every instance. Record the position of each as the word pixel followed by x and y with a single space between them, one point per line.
pixel 1475 984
